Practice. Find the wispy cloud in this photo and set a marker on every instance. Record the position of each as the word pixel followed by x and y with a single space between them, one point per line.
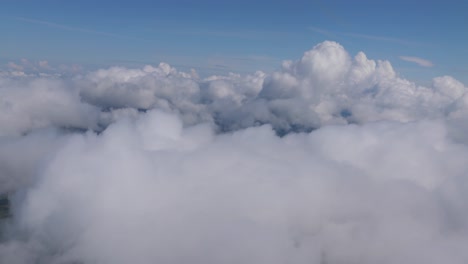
pixel 330 33
pixel 322 31
pixel 238 34
pixel 381 38
pixel 69 28
pixel 417 60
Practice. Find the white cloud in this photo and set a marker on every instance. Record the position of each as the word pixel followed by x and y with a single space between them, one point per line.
pixel 417 60
pixel 151 191
pixel 155 165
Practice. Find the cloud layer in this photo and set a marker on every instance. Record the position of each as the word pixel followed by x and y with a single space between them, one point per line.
pixel 155 165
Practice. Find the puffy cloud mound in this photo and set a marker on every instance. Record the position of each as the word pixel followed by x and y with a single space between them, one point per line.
pixel 155 165
pixel 333 88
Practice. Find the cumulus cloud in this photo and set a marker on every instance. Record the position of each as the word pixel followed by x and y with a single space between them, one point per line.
pixel 28 103
pixel 417 60
pixel 41 68
pixel 332 158
pixel 325 86
pixel 15 66
pixel 44 64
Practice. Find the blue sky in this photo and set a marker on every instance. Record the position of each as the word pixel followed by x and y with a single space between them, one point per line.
pixel 239 36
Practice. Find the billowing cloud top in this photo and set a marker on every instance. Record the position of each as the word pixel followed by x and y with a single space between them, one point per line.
pixel 325 86
pixel 155 165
